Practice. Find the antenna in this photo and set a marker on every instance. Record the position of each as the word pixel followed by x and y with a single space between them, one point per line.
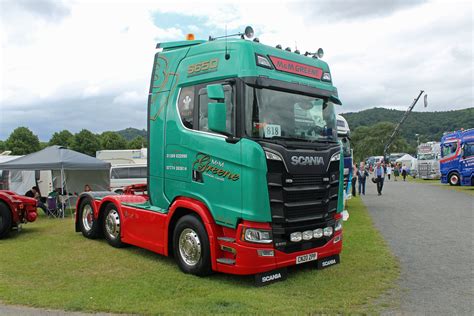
pixel 227 55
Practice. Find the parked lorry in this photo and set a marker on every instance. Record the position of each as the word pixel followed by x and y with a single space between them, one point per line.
pixel 428 155
pixel 457 157
pixel 344 135
pixel 15 210
pixel 244 165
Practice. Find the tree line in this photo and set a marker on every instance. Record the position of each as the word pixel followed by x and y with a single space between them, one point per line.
pixel 23 141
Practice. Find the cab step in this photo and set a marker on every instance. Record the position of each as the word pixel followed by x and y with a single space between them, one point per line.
pixel 226 261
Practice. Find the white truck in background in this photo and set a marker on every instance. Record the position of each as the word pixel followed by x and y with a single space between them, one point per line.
pixel 428 155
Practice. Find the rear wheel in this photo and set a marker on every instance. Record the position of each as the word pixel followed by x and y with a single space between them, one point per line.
pixel 5 220
pixel 454 179
pixel 112 226
pixel 191 246
pixel 88 225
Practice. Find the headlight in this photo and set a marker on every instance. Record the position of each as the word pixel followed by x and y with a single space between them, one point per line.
pixel 318 233
pixel 257 235
pixel 327 231
pixel 307 235
pixel 336 156
pixel 326 76
pixel 272 156
pixel 338 225
pixel 296 236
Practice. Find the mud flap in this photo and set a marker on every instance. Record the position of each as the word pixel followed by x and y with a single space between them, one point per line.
pixel 269 277
pixel 327 262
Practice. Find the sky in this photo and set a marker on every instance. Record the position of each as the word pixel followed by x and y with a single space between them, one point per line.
pixel 87 64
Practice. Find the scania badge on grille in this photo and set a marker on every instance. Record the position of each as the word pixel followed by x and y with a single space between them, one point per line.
pixel 307 160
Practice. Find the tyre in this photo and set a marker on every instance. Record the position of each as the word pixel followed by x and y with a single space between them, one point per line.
pixel 453 179
pixel 5 220
pixel 191 246
pixel 88 225
pixel 111 226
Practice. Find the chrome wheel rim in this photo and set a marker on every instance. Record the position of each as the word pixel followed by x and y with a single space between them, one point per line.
pixel 87 217
pixel 454 179
pixel 189 247
pixel 112 224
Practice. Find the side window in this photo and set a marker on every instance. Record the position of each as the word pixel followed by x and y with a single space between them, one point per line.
pixel 203 109
pixel 186 106
pixel 134 173
pixel 469 149
pixel 119 173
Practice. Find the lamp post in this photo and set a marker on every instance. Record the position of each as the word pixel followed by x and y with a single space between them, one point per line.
pixel 417 139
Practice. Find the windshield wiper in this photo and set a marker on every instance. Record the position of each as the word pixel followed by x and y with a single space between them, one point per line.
pixel 288 138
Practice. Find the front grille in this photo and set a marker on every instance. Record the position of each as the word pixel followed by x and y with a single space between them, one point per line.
pixel 301 202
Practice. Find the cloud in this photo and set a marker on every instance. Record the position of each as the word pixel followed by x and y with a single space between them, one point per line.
pixel 356 9
pixel 87 64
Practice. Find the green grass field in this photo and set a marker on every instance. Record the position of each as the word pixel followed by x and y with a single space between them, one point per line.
pixel 49 265
pixel 465 189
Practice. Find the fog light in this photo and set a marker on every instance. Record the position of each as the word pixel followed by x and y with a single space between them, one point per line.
pixel 296 236
pixel 265 253
pixel 338 225
pixel 307 235
pixel 318 233
pixel 327 231
pixel 337 239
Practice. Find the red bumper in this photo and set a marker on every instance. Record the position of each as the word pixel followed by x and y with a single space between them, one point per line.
pixel 249 261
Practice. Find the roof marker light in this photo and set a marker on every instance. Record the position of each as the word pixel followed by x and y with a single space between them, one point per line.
pixel 256 39
pixel 190 37
pixel 297 52
pixel 288 49
pixel 278 46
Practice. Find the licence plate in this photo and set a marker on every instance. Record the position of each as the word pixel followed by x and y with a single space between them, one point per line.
pixel 308 257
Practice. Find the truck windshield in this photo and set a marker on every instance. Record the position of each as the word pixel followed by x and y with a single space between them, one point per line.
pixel 289 116
pixel 426 156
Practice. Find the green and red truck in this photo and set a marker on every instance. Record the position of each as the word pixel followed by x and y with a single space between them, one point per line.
pixel 244 163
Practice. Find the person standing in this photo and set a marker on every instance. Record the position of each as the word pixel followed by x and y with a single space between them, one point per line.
pixel 404 172
pixel 389 171
pixel 379 175
pixel 396 172
pixel 354 179
pixel 362 175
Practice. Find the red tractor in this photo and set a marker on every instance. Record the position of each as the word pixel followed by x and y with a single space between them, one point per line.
pixel 15 210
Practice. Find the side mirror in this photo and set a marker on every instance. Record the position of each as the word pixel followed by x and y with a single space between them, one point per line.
pixel 216 110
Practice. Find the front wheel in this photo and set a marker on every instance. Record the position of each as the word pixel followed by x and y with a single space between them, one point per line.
pixel 191 246
pixel 454 179
pixel 88 225
pixel 5 220
pixel 112 226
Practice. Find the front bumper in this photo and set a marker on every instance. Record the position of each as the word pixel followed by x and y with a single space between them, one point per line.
pixel 248 261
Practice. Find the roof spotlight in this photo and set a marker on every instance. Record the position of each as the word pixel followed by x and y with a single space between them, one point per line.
pixel 320 53
pixel 297 52
pixel 278 46
pixel 288 49
pixel 249 33
pixel 256 39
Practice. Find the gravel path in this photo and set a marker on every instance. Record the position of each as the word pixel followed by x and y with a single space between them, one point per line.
pixel 12 310
pixel 430 230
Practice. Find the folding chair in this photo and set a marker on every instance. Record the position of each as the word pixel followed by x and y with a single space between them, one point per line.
pixel 53 207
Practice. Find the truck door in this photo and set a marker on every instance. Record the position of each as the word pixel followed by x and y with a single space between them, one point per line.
pixel 467 162
pixel 200 163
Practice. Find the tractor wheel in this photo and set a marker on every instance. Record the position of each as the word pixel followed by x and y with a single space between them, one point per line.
pixel 88 225
pixel 5 220
pixel 191 246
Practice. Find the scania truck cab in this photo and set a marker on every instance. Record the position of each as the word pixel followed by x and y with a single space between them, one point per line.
pixel 244 164
pixel 428 155
pixel 344 135
pixel 457 157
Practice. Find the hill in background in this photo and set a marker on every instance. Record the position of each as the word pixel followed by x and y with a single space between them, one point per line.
pixel 130 133
pixel 429 125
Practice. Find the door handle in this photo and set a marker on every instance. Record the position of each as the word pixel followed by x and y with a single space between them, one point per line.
pixel 197 176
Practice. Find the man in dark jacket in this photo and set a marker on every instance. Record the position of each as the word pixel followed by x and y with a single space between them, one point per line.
pixel 361 177
pixel 379 175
